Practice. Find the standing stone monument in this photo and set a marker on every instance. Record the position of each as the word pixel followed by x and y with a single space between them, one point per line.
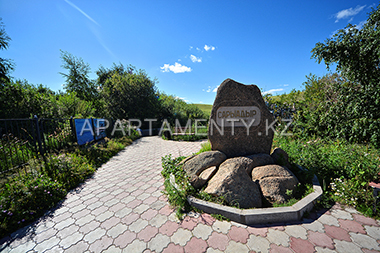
pixel 239 167
pixel 240 121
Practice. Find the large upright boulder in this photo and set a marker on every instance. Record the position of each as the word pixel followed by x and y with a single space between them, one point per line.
pixel 240 121
pixel 233 182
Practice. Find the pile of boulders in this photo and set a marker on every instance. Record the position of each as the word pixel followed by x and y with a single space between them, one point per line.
pixel 240 166
pixel 245 180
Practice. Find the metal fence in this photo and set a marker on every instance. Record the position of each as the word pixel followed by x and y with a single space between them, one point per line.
pixel 24 139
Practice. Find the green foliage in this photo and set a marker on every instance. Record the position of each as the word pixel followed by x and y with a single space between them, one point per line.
pixel 77 79
pixel 6 65
pixel 26 195
pixel 173 108
pixel 348 104
pixel 205 147
pixel 343 169
pixel 334 107
pixel 129 94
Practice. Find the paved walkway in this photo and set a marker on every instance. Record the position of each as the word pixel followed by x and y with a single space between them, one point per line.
pixel 122 209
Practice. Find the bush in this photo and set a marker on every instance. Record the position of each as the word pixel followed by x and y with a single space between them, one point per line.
pixel 343 169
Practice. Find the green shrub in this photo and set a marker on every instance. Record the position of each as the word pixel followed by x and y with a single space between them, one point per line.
pixel 343 169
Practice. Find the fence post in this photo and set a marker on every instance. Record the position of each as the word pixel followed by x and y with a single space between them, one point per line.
pixel 38 135
pixel 73 129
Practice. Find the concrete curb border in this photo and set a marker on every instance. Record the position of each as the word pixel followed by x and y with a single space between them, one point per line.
pixel 262 215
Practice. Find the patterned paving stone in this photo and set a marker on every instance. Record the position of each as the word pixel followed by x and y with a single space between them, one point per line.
pixel 47 244
pixel 206 219
pixel 45 235
pixel 296 231
pixel 279 249
pixel 365 241
pixel 147 233
pixel 123 212
pixel 110 223
pixel 328 220
pixel 170 227
pixel 344 247
pixel 301 246
pixel 79 247
pixel 104 216
pixel 337 233
pixel 218 241
pixel 65 223
pixel 84 220
pixel 365 220
pixel 196 245
pixel 261 231
pixel 313 225
pixel 27 246
pixel 181 236
pixel 321 239
pixel 188 223
pixel 124 239
pixel 173 248
pixel 112 249
pixel 101 244
pixel 94 235
pixel 237 234
pixel 141 209
pixel 138 225
pixel 374 232
pixel 352 226
pixel 221 226
pixel 278 237
pixel 258 243
pixel 159 242
pixel 89 227
pixel 130 218
pixel 70 240
pixel 135 246
pixel 323 250
pixel 341 214
pixel 234 247
pixel 149 214
pixel 117 230
pixel 158 220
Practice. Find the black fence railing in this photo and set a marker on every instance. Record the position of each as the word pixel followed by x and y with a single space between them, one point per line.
pixel 24 139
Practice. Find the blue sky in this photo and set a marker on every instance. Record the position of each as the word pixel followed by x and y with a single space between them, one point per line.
pixel 189 46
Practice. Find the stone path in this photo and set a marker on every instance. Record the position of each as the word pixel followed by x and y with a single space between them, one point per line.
pixel 122 209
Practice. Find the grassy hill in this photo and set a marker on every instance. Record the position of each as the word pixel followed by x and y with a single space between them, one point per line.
pixel 205 108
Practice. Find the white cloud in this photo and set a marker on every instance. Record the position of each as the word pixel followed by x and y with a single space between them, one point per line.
pixel 209 89
pixel 272 91
pixel 285 85
pixel 346 13
pixel 216 89
pixel 195 59
pixel 176 68
pixel 209 48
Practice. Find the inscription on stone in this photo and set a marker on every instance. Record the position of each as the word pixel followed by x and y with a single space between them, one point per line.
pixel 238 116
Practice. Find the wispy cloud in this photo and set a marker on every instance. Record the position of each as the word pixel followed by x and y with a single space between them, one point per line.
pixel 272 91
pixel 347 13
pixel 207 48
pixel 176 68
pixel 195 59
pixel 80 10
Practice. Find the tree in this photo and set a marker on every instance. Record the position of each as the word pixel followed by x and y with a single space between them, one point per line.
pixel 78 80
pixel 6 65
pixel 128 94
pixel 356 53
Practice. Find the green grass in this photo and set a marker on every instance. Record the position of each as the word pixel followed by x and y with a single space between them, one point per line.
pixel 205 108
